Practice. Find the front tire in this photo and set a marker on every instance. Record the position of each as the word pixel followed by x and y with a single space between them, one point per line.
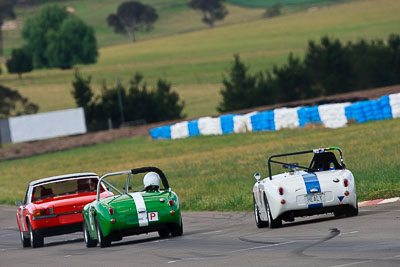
pixel 26 242
pixel 260 223
pixel 271 222
pixel 90 243
pixel 36 238
pixel 103 240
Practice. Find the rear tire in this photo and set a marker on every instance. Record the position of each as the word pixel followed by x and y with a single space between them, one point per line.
pixel 271 222
pixel 90 243
pixel 36 239
pixel 163 233
pixel 177 230
pixel 26 242
pixel 103 241
pixel 260 223
pixel 352 211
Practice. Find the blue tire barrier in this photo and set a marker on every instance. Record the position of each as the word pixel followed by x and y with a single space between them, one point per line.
pixel 331 115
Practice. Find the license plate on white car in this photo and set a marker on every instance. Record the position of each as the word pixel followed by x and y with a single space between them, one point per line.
pixel 315 198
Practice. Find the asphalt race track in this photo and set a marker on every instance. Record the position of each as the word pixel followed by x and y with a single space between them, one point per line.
pixel 228 238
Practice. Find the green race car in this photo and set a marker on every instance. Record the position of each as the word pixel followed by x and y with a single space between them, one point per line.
pixel 132 212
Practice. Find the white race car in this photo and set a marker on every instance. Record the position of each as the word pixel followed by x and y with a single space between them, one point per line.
pixel 323 186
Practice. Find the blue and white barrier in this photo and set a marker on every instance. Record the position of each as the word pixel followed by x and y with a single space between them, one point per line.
pixel 242 123
pixel 330 115
pixel 333 115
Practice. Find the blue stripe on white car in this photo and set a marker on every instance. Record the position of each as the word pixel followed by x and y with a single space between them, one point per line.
pixel 312 186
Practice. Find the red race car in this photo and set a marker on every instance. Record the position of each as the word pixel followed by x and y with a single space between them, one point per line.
pixel 53 206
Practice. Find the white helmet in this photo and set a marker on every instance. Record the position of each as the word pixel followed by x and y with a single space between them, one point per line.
pixel 151 179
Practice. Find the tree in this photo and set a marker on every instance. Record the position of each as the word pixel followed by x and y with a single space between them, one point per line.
pixel 290 82
pixel 213 10
pixel 82 91
pixel 6 11
pixel 330 66
pixel 132 16
pixel 74 43
pixel 20 62
pixel 240 90
pixel 273 11
pixel 56 38
pixel 13 104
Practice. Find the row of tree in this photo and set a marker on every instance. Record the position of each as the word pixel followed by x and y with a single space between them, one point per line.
pixel 328 68
pixel 121 105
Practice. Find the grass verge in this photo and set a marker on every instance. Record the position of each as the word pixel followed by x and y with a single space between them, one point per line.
pixel 216 172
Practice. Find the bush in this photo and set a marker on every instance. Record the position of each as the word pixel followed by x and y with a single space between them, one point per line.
pixel 13 104
pixel 20 62
pixel 124 105
pixel 273 11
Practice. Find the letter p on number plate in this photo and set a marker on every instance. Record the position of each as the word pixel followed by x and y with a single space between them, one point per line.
pixel 153 216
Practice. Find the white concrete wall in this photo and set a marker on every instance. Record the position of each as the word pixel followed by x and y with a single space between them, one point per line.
pixel 47 125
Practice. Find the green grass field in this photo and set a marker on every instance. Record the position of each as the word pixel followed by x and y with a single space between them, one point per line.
pixel 194 62
pixel 216 172
pixel 268 3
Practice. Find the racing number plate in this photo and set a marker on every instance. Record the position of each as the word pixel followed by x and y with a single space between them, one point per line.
pixel 153 216
pixel 315 198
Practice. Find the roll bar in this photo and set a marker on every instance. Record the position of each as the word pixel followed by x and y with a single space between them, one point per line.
pixel 315 151
pixel 129 172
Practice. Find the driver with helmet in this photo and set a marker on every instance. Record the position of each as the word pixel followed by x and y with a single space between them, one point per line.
pixel 151 182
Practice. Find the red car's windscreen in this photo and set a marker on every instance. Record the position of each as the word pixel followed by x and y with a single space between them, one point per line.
pixel 64 188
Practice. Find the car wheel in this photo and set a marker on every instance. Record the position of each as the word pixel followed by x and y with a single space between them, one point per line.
pixel 271 222
pixel 103 241
pixel 177 230
pixel 36 238
pixel 163 233
pixel 350 212
pixel 88 240
pixel 26 242
pixel 260 223
pixel 338 213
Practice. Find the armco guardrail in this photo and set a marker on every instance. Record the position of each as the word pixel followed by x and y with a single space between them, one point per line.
pixel 330 115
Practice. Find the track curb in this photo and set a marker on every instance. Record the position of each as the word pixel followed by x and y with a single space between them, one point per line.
pixel 378 201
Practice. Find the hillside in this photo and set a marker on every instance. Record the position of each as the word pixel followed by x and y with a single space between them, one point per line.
pixel 175 17
pixel 268 3
pixel 195 61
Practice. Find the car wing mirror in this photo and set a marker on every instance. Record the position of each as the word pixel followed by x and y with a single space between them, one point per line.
pixel 18 203
pixel 257 176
